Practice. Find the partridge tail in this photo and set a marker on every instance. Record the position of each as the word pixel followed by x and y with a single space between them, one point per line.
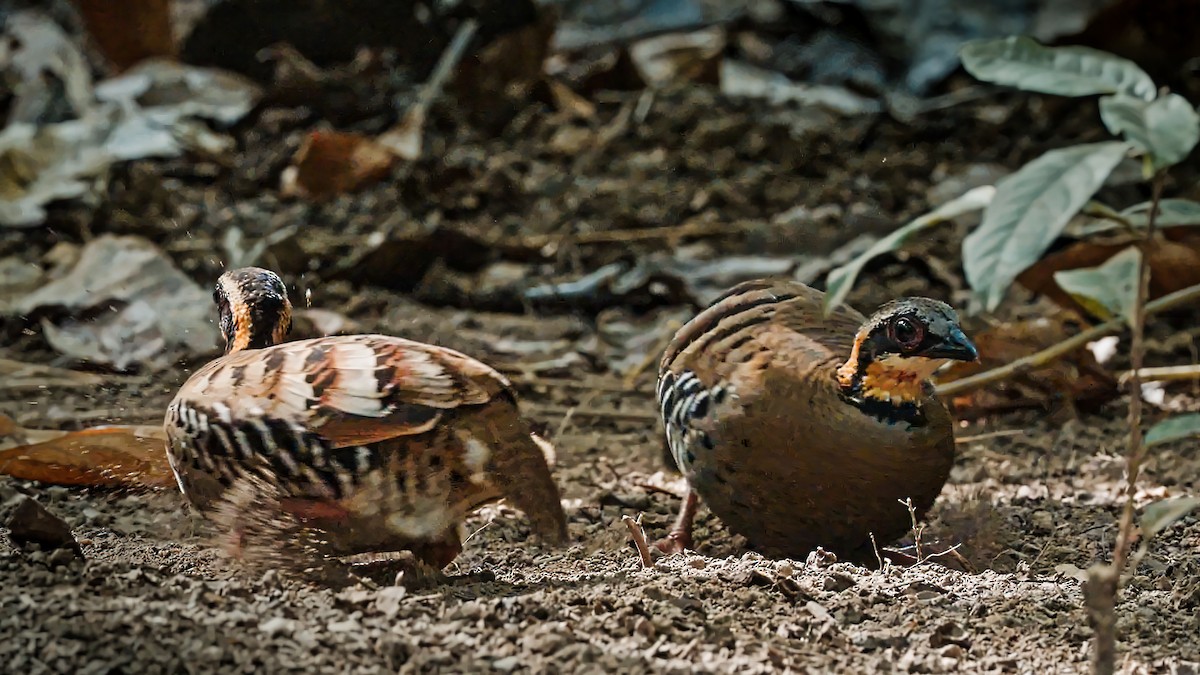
pixel 519 465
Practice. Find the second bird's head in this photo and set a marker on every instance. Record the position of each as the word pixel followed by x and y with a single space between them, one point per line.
pixel 253 308
pixel 901 345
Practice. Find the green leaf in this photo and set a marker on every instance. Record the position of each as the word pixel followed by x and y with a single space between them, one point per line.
pixel 1108 290
pixel 1066 71
pixel 1166 128
pixel 1174 429
pixel 841 280
pixel 1030 209
pixel 1171 213
pixel 1163 513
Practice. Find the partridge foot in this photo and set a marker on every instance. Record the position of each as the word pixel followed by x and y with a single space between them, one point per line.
pixel 419 567
pixel 408 572
pixel 679 538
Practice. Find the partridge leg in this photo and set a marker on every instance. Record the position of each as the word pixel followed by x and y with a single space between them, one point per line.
pixel 420 565
pixel 680 536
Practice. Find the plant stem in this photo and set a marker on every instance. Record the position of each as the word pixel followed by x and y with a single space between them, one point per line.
pixel 1056 351
pixel 639 540
pixel 1104 581
pixel 1100 596
pixel 1137 449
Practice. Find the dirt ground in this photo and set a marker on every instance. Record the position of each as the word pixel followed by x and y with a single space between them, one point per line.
pixel 1030 505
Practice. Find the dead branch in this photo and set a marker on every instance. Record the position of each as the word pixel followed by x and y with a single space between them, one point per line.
pixel 629 415
pixel 1163 374
pixel 1054 352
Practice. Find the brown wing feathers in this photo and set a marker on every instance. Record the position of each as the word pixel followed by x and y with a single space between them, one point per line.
pixel 723 352
pixel 698 368
pixel 307 409
pixel 351 390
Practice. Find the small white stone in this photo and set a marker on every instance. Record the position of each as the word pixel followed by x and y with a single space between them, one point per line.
pixel 277 626
pixel 387 601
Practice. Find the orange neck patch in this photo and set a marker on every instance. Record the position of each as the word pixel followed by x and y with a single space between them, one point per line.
pixel 242 324
pixel 895 379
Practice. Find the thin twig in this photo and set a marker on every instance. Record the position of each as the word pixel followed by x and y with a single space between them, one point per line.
pixel 669 232
pixel 481 529
pixel 44 383
pixel 1099 594
pixel 953 553
pixel 566 419
pixel 659 489
pixel 405 139
pixel 652 355
pixel 916 529
pixel 989 435
pixel 1104 581
pixel 967 565
pixel 589 384
pixel 629 415
pixel 446 64
pixel 1137 449
pixel 1163 374
pixel 1054 352
pixel 639 540
pixel 107 415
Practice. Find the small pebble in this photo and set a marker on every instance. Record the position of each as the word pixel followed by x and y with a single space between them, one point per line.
pixel 276 626
pixel 506 664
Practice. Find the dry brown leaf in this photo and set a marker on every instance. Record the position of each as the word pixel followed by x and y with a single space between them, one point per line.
pixel 333 162
pixel 509 66
pixel 109 456
pixel 1174 264
pixel 127 32
pixel 1075 380
pixel 123 302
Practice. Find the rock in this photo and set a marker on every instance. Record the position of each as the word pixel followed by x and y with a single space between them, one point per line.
pixel 277 626
pixel 61 558
pixel 387 601
pixel 30 522
pixel 506 664
pixel 347 626
pixel 949 634
pixel 838 582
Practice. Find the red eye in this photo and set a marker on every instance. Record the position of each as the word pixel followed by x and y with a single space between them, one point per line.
pixel 907 333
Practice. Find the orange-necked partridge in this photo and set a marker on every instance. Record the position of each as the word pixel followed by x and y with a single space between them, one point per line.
pixel 379 443
pixel 800 430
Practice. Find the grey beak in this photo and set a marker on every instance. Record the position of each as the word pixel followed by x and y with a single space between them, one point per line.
pixel 956 346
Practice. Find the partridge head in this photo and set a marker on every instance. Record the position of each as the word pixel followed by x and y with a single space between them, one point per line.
pixel 801 430
pixel 899 348
pixel 379 443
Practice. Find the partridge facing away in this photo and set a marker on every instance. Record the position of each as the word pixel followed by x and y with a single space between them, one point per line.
pixel 381 444
pixel 800 430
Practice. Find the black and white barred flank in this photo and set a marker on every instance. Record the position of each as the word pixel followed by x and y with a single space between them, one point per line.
pixel 227 448
pixel 683 401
